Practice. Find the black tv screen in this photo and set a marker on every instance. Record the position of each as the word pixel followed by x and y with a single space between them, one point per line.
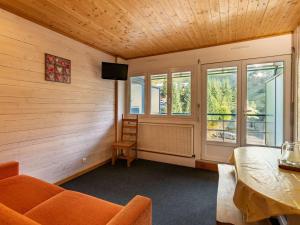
pixel 114 71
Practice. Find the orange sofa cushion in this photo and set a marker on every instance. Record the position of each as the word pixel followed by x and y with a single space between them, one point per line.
pixel 74 208
pixel 22 193
pixel 11 217
pixel 9 169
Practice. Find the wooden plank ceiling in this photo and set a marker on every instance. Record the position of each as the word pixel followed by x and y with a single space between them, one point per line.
pixel 136 28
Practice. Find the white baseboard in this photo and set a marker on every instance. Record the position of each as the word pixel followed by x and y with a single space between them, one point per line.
pixel 176 160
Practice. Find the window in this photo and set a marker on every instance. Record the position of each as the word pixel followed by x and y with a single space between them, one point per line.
pixel 265 104
pixel 181 93
pixel 221 104
pixel 159 95
pixel 137 95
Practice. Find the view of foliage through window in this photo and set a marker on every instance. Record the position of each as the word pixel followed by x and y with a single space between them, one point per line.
pixel 221 104
pixel 181 93
pixel 221 88
pixel 261 100
pixel 159 98
pixel 257 76
pixel 264 83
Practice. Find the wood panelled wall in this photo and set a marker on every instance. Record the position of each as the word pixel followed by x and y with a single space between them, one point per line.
pixel 50 127
pixel 296 65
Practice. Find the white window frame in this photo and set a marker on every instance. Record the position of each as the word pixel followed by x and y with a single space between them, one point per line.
pixel 149 100
pixel 147 113
pixel 220 151
pixel 193 88
pixel 128 92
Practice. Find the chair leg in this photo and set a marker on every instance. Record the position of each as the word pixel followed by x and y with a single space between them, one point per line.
pixel 136 152
pixel 128 157
pixel 114 156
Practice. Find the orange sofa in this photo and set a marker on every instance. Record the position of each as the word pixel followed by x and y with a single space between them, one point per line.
pixel 25 200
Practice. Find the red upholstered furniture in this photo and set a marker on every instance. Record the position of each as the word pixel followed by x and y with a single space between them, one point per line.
pixel 25 200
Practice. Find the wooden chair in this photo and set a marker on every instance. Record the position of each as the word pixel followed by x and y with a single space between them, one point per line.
pixel 123 148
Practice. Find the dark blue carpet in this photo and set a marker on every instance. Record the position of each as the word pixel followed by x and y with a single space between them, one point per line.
pixel 180 195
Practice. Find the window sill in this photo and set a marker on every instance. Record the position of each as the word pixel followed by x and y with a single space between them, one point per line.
pixel 166 119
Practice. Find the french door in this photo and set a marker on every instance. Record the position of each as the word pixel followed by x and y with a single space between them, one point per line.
pixel 245 103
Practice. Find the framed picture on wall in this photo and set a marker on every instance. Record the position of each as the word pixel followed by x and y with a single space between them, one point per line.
pixel 57 69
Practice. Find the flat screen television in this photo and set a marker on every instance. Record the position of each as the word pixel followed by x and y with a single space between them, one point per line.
pixel 114 71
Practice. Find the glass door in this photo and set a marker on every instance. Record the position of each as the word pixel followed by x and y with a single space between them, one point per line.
pixel 221 92
pixel 266 101
pixel 222 104
pixel 245 103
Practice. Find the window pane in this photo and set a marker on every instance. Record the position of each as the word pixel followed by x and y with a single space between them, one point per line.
pixel 221 104
pixel 181 93
pixel 265 104
pixel 137 95
pixel 159 102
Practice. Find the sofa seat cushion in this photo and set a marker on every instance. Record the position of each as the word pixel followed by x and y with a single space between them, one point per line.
pixel 22 193
pixel 74 208
pixel 11 217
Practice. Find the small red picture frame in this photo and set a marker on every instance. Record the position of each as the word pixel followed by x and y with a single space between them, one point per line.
pixel 57 69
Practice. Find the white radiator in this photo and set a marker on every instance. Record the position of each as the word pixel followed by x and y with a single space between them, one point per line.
pixel 173 139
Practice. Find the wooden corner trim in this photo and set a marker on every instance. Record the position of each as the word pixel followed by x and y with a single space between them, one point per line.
pixel 84 171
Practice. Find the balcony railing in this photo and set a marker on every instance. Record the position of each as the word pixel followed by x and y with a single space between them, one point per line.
pixel 223 128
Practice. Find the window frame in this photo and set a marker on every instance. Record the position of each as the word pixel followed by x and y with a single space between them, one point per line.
pixel 149 100
pixel 205 69
pixel 169 72
pixel 177 70
pixel 128 93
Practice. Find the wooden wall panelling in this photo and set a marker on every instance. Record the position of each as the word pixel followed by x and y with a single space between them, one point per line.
pixel 50 127
pixel 296 69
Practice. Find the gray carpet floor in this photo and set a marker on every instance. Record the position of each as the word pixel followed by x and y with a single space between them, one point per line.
pixel 180 195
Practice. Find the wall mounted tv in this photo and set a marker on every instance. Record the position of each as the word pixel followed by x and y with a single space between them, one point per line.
pixel 114 71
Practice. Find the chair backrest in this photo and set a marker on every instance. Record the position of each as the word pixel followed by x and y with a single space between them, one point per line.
pixel 130 129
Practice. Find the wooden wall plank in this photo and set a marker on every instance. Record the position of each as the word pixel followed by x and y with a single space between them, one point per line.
pixel 49 127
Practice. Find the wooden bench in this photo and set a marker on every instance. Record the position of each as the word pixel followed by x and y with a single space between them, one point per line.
pixel 227 212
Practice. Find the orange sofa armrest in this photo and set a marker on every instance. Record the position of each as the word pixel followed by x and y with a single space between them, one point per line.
pixel 9 169
pixel 11 217
pixel 137 212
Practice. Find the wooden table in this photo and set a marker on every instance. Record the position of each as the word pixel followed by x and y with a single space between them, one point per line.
pixel 263 190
